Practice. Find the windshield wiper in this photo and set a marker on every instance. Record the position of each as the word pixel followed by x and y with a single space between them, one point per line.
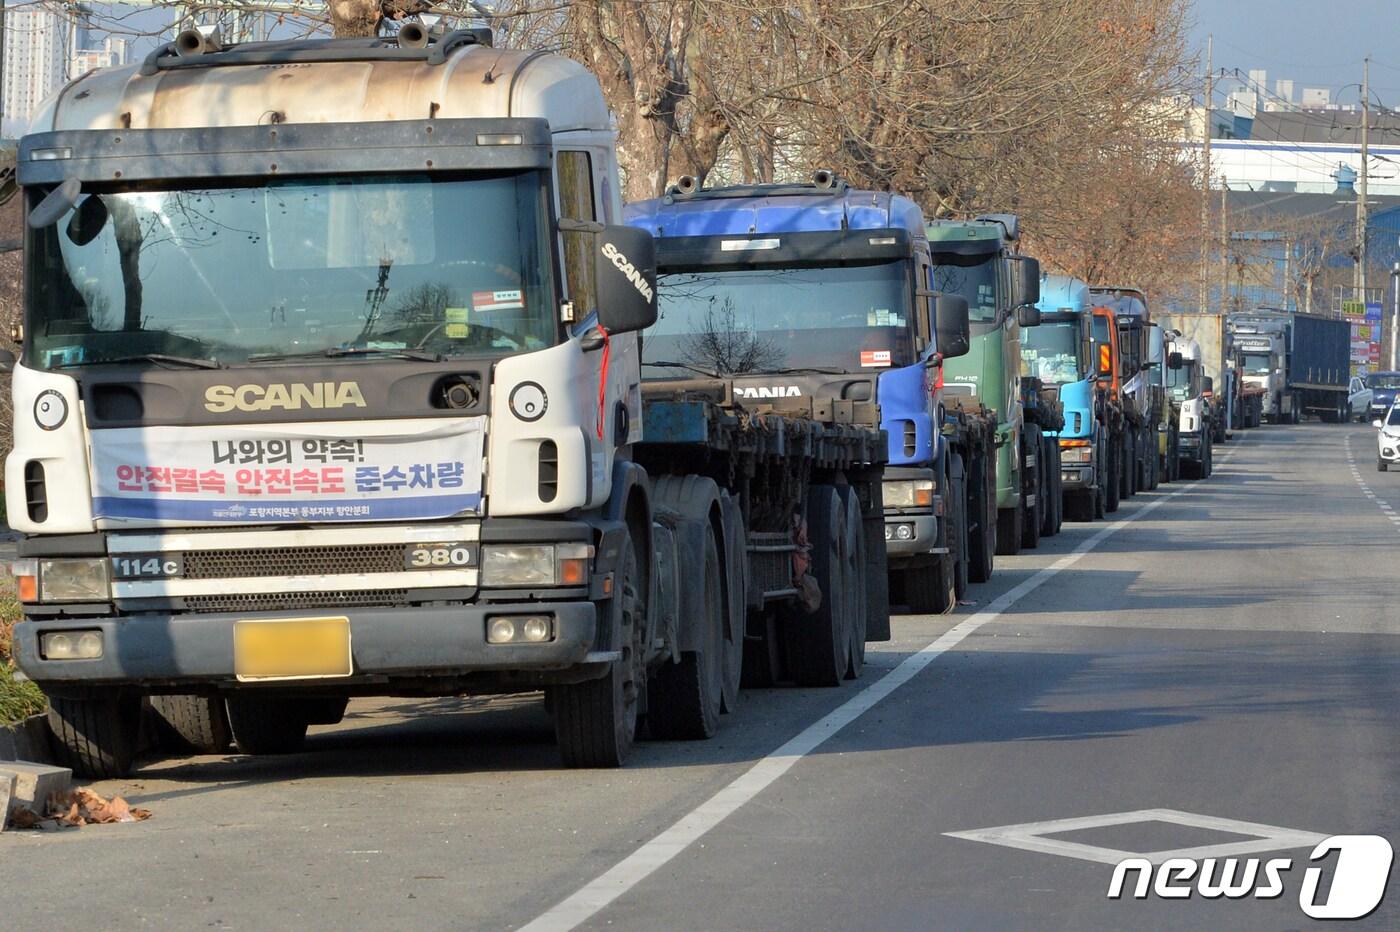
pixel 807 370
pixel 667 364
pixel 188 362
pixel 339 352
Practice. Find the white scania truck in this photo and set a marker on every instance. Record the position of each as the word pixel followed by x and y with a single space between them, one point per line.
pixel 330 386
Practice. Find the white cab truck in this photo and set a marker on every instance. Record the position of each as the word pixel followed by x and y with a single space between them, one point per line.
pixel 1186 383
pixel 330 386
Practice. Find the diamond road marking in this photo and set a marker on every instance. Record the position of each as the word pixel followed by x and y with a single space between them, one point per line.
pixel 1029 836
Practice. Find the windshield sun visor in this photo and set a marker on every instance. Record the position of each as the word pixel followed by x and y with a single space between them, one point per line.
pixel 125 156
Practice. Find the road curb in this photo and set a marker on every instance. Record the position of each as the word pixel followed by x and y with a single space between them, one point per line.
pixel 30 740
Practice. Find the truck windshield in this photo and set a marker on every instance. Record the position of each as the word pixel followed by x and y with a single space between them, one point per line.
pixel 973 277
pixel 764 319
pixel 1179 380
pixel 1050 352
pixel 1257 363
pixel 450 267
pixel 1383 380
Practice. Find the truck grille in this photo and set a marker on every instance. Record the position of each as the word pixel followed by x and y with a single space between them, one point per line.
pixel 294 561
pixel 291 601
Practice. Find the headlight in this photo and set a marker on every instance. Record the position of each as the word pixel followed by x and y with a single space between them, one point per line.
pixel 1076 456
pixel 73 581
pixel 908 493
pixel 515 565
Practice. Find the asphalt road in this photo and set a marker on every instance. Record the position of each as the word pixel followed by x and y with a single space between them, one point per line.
pixel 1229 650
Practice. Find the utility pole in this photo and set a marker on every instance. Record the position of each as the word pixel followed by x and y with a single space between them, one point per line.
pixel 1395 320
pixel 1224 243
pixel 1205 174
pixel 1362 209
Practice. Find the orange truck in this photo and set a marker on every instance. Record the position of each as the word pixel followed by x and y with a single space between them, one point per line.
pixel 1103 332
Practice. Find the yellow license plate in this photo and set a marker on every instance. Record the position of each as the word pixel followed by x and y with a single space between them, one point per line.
pixel 292 649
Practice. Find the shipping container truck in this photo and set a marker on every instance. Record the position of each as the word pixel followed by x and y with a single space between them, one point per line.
pixel 1060 353
pixel 821 291
pixel 976 259
pixel 1220 365
pixel 1302 361
pixel 331 386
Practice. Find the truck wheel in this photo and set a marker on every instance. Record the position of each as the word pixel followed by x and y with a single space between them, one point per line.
pixel 1033 514
pixel 267 724
pixel 595 722
pixel 1130 466
pixel 1208 460
pixel 1057 497
pixel 854 588
pixel 735 560
pixel 981 526
pixel 684 698
pixel 97 734
pixel 818 642
pixel 1113 481
pixel 1047 485
pixel 196 723
pixel 958 487
pixel 929 590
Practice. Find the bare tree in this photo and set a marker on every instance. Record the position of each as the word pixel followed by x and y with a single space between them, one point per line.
pixel 722 345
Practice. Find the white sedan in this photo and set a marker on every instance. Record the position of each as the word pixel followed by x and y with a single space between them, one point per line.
pixel 1388 437
pixel 1358 399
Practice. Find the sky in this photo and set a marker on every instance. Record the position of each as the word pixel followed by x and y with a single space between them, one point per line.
pixel 1317 43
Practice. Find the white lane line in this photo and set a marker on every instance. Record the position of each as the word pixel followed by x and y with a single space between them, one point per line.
pixel 651 856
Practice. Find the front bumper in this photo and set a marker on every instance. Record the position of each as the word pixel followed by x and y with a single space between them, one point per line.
pixel 1077 478
pixel 922 530
pixel 418 641
pixel 1190 446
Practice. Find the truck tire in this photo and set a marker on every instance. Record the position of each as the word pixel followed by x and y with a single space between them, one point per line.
pixel 982 515
pixel 817 643
pixel 684 698
pixel 267 724
pixel 196 723
pixel 855 588
pixel 1033 514
pixel 595 722
pixel 1113 481
pixel 735 560
pixel 1049 473
pixel 1208 459
pixel 96 735
pixel 1129 487
pixel 958 487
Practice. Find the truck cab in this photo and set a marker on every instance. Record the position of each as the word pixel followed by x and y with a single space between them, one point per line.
pixel 1263 344
pixel 1108 363
pixel 1188 386
pixel 1060 353
pixel 1140 379
pixel 976 259
pixel 820 293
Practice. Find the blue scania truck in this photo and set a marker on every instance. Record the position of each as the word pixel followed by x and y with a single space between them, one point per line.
pixel 817 294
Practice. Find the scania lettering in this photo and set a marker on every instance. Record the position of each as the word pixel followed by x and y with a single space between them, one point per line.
pixel 367 417
pixel 223 398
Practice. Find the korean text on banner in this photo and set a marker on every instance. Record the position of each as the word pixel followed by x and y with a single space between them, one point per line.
pixel 251 474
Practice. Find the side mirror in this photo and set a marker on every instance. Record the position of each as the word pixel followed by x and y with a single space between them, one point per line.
pixel 7 362
pixel 951 328
pixel 1028 315
pixel 1026 284
pixel 1377 424
pixel 1207 384
pixel 624 267
pixel 1174 361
